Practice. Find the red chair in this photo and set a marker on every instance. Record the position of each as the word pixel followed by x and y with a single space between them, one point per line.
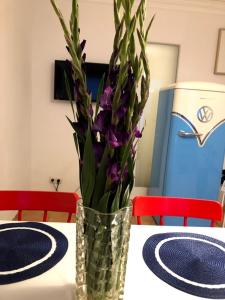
pixel 39 201
pixel 176 207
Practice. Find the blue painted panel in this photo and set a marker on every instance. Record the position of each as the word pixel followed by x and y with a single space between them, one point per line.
pixel 194 171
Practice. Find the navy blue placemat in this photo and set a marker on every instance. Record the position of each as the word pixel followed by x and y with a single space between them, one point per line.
pixel 28 249
pixel 190 262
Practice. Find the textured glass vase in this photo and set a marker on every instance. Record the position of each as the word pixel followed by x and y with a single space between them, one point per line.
pixel 101 253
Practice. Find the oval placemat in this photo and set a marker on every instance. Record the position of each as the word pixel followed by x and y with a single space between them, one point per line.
pixel 28 249
pixel 192 263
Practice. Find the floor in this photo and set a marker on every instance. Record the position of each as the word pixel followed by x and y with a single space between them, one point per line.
pixel 62 217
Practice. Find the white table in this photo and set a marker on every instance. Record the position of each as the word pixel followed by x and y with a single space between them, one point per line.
pixel 141 283
pixel 59 282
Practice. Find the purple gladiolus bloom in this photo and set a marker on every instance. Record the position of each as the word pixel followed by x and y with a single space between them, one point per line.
pixel 113 139
pixel 114 172
pixel 82 45
pixel 106 98
pixel 102 121
pixel 125 96
pixel 137 133
pixel 121 112
pixel 117 139
pixel 84 57
pixel 125 173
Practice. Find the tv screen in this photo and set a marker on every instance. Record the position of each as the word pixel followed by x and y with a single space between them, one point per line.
pixel 93 71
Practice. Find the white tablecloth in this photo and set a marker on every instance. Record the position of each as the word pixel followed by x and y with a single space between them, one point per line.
pixel 141 283
pixel 59 282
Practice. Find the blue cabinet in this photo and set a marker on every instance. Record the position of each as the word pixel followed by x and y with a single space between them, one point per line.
pixel 189 146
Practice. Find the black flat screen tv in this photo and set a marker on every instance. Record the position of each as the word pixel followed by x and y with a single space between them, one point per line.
pixel 94 73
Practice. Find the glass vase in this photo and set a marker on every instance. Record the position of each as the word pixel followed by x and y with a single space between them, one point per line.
pixel 101 253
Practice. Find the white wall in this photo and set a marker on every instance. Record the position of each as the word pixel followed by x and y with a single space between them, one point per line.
pixel 52 152
pixel 196 31
pixel 52 147
pixel 15 97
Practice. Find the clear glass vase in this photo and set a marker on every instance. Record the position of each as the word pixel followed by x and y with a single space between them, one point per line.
pixel 101 253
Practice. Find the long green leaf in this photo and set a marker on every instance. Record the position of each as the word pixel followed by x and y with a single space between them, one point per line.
pixel 116 201
pixel 148 28
pixel 61 19
pixel 125 199
pixel 103 203
pixel 100 90
pixel 76 144
pixel 88 170
pixel 69 94
pixel 101 178
pixel 116 15
pixel 74 23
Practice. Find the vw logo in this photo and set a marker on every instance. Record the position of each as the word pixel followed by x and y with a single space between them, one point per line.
pixel 205 114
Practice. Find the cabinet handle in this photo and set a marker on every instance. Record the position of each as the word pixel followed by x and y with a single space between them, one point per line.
pixel 185 134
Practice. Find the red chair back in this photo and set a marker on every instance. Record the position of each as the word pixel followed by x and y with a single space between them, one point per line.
pixel 177 207
pixel 39 201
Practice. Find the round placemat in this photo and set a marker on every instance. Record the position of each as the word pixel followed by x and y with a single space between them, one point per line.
pixel 28 249
pixel 190 262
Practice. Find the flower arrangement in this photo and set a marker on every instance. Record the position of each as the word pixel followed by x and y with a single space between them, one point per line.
pixel 106 137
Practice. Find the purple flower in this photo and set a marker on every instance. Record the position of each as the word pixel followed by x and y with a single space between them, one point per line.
pixel 82 45
pixel 84 57
pixel 121 112
pixel 102 121
pixel 113 75
pixel 137 133
pixel 106 98
pixel 113 139
pixel 117 139
pixel 114 172
pixel 125 96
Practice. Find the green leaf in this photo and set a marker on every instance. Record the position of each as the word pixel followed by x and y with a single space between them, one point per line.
pixel 71 123
pixel 132 25
pixel 116 15
pixel 100 90
pixel 141 40
pixel 142 88
pixel 149 26
pixel 76 143
pixel 119 2
pixel 125 199
pixel 103 203
pixel 125 153
pixel 145 64
pixel 132 50
pixel 88 170
pixel 61 19
pixel 68 91
pixel 116 201
pixel 74 23
pixel 101 178
pixel 131 164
